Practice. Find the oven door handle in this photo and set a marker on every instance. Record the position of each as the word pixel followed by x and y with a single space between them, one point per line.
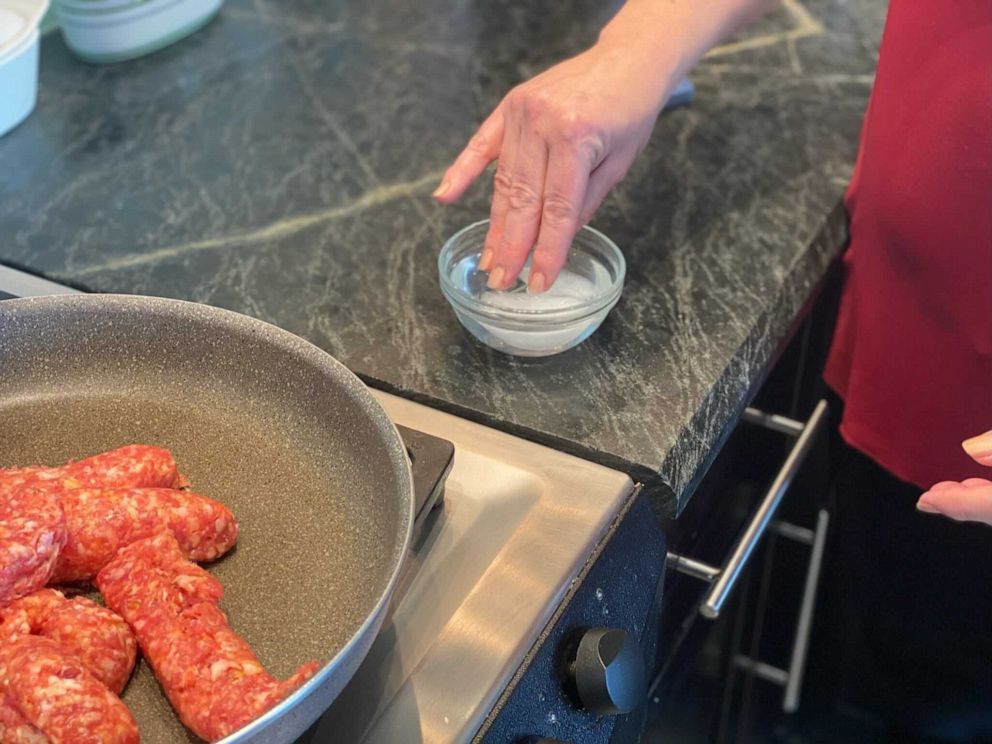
pixel 724 579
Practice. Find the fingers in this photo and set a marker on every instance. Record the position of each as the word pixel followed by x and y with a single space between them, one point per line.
pixel 481 150
pixel 970 500
pixel 523 214
pixel 980 448
pixel 564 192
pixel 605 177
pixel 502 180
pixel 543 190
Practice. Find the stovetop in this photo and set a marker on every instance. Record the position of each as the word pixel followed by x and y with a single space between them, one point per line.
pixel 518 523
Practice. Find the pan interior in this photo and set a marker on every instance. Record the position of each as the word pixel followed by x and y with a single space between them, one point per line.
pixel 289 446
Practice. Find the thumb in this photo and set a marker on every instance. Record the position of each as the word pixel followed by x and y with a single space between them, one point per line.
pixel 980 448
pixel 970 500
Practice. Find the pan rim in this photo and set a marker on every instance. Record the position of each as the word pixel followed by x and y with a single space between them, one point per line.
pixel 309 353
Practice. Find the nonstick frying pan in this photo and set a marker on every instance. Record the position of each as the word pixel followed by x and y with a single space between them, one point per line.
pixel 295 444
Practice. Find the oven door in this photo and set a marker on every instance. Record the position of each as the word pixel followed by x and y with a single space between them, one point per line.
pixel 747 514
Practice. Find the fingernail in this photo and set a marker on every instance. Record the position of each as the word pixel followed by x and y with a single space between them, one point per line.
pixel 980 447
pixel 442 189
pixel 536 285
pixel 485 263
pixel 925 506
pixel 496 278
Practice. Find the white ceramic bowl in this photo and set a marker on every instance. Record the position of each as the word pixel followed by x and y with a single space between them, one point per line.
pixel 116 30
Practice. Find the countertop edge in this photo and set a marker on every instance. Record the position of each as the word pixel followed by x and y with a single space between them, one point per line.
pixel 778 319
pixel 670 495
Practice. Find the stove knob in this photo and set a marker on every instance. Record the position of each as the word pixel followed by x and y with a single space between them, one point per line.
pixel 608 672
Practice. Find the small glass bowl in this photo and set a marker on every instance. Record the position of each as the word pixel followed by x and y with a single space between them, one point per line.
pixel 523 324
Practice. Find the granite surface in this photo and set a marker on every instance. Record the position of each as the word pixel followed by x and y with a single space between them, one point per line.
pixel 279 163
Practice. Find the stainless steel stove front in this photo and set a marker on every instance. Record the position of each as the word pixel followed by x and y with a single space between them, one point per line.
pixel 519 522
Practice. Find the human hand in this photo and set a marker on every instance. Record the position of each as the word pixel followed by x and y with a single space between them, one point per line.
pixel 971 499
pixel 561 140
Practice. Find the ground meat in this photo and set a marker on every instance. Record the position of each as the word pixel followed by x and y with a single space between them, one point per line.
pixel 32 532
pixel 14 622
pixel 210 675
pixel 32 609
pixel 99 637
pixel 15 728
pixel 101 521
pixel 135 466
pixel 50 688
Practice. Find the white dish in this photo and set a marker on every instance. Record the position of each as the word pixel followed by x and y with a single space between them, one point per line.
pixel 116 30
pixel 19 21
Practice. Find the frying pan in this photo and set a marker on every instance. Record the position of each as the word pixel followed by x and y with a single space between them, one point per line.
pixel 257 418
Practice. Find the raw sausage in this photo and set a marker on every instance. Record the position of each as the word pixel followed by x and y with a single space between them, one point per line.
pixel 100 638
pixel 135 466
pixel 47 688
pixel 101 521
pixel 16 729
pixel 32 532
pixel 14 622
pixel 209 673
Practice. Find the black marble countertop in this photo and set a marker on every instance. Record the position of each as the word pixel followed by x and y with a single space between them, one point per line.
pixel 280 161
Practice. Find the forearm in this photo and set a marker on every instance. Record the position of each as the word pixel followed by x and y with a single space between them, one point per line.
pixel 674 34
pixel 564 138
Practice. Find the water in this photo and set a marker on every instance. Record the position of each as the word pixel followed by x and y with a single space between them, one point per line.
pixel 575 285
pixel 569 290
pixel 534 335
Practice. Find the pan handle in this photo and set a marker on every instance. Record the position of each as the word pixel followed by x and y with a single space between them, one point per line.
pixel 431 459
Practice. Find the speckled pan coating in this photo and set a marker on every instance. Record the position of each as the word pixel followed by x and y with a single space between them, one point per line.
pixel 257 418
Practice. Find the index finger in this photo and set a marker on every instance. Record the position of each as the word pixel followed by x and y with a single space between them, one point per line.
pixel 564 194
pixel 481 150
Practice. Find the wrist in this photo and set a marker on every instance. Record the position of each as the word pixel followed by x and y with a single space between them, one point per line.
pixel 634 43
pixel 678 32
pixel 661 30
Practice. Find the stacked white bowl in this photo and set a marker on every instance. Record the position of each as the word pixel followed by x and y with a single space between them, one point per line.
pixel 19 20
pixel 115 30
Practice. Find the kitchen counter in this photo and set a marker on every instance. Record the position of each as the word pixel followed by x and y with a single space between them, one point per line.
pixel 280 162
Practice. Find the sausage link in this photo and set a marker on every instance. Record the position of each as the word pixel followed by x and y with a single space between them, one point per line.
pixel 99 522
pixel 99 637
pixel 15 728
pixel 135 466
pixel 47 687
pixel 209 673
pixel 32 533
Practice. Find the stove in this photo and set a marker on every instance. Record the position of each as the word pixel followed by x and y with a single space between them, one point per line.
pixel 526 563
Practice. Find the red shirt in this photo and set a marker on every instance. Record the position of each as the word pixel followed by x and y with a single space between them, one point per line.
pixel 912 353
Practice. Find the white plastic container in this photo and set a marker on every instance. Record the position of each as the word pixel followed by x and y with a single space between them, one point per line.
pixel 116 30
pixel 19 21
